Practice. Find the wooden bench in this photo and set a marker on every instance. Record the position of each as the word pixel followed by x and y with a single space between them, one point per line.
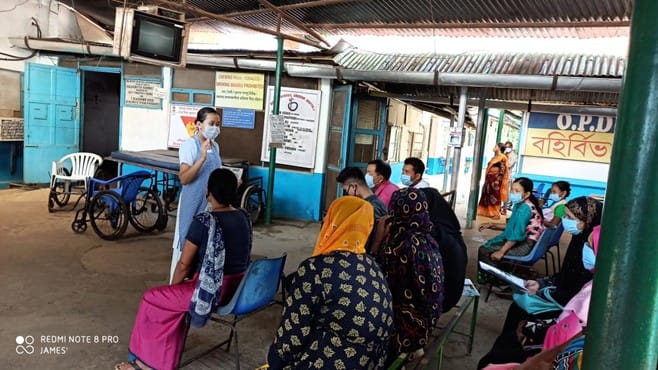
pixel 433 352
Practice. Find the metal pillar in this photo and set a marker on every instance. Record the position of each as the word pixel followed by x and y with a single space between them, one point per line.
pixel 622 330
pixel 445 171
pixel 275 111
pixel 457 151
pixel 480 139
pixel 501 124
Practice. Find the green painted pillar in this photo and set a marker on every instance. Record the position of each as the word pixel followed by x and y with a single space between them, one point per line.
pixel 275 111
pixel 480 140
pixel 622 331
pixel 501 124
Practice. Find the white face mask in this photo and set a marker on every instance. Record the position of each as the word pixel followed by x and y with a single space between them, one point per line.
pixel 508 150
pixel 211 132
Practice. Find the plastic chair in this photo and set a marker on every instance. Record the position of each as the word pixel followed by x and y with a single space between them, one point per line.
pixel 255 292
pixel 539 192
pixel 555 242
pixel 538 251
pixel 71 168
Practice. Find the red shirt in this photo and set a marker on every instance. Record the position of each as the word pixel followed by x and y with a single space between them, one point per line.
pixel 385 191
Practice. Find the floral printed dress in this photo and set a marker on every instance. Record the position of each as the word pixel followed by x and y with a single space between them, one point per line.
pixel 338 315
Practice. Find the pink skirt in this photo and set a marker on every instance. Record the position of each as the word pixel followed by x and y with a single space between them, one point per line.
pixel 159 332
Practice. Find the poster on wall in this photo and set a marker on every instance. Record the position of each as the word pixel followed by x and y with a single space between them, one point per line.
pixel 238 118
pixel 239 90
pixel 300 112
pixel 142 93
pixel 181 124
pixel 570 137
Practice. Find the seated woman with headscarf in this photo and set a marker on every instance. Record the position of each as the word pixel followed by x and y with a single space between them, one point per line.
pixel 215 256
pixel 581 216
pixel 412 263
pixel 567 331
pixel 339 312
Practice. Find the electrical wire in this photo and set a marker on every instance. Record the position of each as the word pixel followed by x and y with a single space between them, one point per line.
pixel 16 58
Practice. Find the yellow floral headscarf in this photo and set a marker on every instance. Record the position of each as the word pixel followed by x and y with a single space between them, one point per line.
pixel 346 227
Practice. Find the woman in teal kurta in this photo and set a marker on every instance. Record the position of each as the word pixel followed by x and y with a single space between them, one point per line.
pixel 521 232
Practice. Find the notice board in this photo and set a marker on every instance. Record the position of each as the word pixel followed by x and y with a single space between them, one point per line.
pixel 239 90
pixel 300 109
pixel 142 93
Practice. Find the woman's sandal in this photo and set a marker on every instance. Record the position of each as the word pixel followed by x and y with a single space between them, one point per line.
pixel 131 363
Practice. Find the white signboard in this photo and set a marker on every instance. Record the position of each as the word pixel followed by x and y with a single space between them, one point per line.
pixel 300 110
pixel 142 93
pixel 181 124
pixel 239 90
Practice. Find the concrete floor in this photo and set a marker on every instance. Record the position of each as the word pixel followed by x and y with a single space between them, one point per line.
pixel 59 284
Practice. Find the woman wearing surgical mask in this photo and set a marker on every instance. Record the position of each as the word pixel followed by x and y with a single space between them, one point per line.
pixel 554 213
pixel 521 232
pixel 198 157
pixel 581 216
pixel 571 322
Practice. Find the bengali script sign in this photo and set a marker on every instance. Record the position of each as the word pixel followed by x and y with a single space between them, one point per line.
pixel 239 90
pixel 567 144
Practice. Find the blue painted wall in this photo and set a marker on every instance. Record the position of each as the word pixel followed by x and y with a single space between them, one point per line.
pixel 396 172
pixel 579 187
pixel 297 195
pixel 5 157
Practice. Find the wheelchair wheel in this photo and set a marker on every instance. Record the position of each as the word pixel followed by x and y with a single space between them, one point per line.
pixel 78 227
pixel 253 200
pixel 108 215
pixel 146 211
pixel 60 193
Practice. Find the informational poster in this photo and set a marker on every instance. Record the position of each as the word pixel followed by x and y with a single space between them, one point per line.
pixel 239 90
pixel 238 118
pixel 143 94
pixel 181 124
pixel 300 110
pixel 572 137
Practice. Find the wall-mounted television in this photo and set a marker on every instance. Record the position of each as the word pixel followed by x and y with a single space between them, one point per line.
pixel 150 38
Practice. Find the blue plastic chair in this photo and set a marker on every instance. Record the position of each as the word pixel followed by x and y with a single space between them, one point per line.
pixel 555 242
pixel 539 251
pixel 256 292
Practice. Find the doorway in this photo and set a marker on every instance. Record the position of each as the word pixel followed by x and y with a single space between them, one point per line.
pixel 101 117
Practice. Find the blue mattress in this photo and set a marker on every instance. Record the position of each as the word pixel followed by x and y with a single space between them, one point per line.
pixel 159 159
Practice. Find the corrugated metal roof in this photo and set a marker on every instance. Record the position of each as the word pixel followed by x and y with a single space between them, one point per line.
pixel 488 63
pixel 541 18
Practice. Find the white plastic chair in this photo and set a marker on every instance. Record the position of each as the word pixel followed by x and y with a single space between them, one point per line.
pixel 71 168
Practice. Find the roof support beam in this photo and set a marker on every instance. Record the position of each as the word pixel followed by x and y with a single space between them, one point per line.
pixel 509 105
pixel 305 5
pixel 295 22
pixel 222 18
pixel 456 25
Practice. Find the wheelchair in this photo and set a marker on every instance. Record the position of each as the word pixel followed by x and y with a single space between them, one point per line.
pixel 250 194
pixel 110 205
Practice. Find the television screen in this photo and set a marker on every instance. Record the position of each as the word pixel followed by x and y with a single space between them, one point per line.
pixel 156 38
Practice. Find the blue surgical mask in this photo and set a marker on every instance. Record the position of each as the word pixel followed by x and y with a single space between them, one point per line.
pixel 370 181
pixel 555 197
pixel 589 258
pixel 570 226
pixel 515 198
pixel 211 132
pixel 406 180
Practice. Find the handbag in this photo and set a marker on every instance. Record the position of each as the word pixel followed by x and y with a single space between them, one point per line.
pixel 537 303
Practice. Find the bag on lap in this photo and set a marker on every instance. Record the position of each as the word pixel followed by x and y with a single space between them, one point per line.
pixel 537 303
